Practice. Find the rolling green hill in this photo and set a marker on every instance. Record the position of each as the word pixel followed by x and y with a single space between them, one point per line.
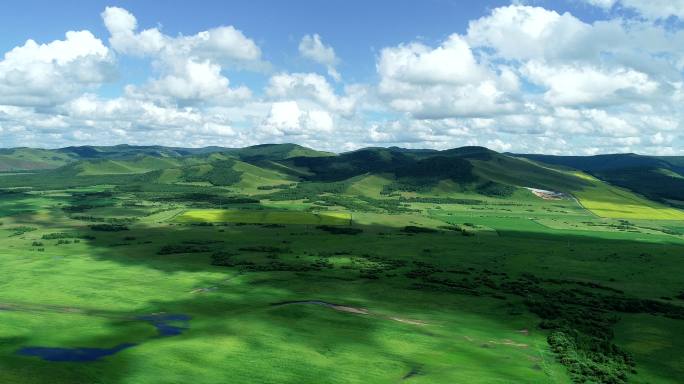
pixel 21 159
pixel 658 178
pixel 378 173
pixel 380 265
pixel 264 152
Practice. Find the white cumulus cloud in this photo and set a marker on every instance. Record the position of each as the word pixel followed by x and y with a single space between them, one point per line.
pixel 191 66
pixel 584 85
pixel 224 43
pixel 311 47
pixel 287 118
pixel 312 87
pixel 444 81
pixel 46 74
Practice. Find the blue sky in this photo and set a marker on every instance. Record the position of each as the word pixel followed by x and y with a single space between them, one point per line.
pixel 565 76
pixel 356 29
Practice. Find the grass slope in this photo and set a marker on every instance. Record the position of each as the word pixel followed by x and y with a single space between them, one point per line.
pixel 612 202
pixel 658 178
pixel 435 284
pixel 19 159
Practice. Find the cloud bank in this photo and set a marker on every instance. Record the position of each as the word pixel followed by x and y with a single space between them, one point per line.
pixel 519 78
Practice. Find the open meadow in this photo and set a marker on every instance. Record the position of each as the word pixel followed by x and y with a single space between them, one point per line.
pixel 189 282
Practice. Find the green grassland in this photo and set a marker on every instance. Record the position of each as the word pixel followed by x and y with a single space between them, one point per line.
pixel 289 275
pixel 263 217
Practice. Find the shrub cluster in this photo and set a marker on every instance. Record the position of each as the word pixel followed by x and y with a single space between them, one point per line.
pixel 182 248
pixel 414 229
pixel 340 230
pixel 66 235
pixel 109 227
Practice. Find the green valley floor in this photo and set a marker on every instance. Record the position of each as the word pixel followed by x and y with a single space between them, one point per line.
pixel 107 285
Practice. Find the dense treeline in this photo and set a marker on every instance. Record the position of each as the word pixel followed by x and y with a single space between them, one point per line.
pixel 333 194
pixel 221 173
pixel 441 200
pixel 650 182
pixel 208 199
pixel 494 189
pixel 414 229
pixel 272 187
pixel 109 227
pixel 335 230
pixel 437 168
pixel 183 248
pixel 66 235
pixel 412 169
pixel 109 220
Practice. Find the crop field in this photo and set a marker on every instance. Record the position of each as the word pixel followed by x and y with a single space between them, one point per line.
pixel 616 203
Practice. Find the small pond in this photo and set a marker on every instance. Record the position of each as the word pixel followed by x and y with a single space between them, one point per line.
pixel 167 325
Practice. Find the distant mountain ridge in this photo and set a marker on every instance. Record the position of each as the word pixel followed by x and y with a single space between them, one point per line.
pixel 24 158
pixel 470 168
pixel 597 163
